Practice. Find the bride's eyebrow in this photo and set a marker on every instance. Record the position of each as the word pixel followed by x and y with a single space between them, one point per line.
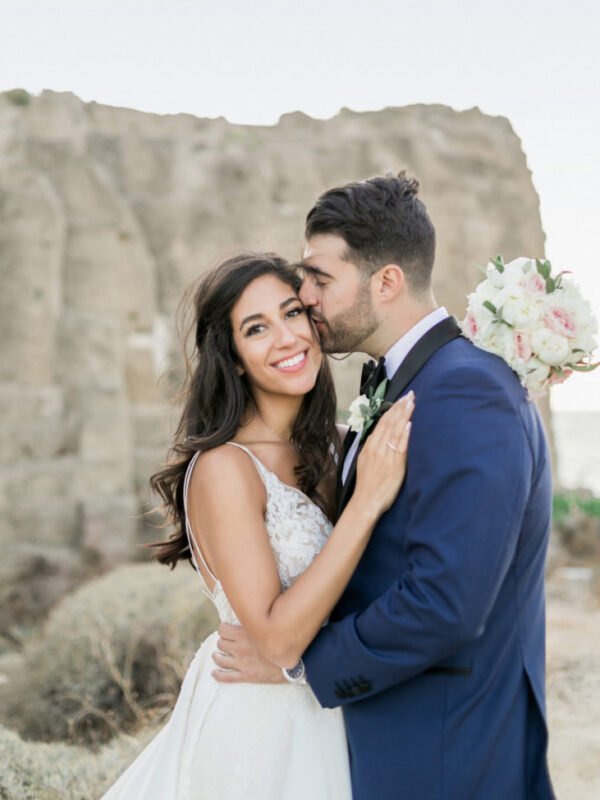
pixel 260 315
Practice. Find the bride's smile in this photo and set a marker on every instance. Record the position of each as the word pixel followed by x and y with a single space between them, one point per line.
pixel 293 363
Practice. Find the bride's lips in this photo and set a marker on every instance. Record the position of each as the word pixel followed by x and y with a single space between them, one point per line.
pixel 293 363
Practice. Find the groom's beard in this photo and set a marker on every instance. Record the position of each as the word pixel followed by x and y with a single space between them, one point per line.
pixel 346 331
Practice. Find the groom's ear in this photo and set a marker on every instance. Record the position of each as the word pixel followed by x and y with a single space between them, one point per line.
pixel 390 282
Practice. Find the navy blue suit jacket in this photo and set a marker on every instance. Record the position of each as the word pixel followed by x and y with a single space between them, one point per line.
pixel 436 650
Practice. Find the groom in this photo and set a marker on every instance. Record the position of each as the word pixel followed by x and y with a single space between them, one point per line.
pixel 436 648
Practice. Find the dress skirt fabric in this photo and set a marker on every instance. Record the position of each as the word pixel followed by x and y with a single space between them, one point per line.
pixel 241 742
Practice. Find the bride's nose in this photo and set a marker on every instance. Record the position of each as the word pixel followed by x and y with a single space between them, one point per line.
pixel 284 335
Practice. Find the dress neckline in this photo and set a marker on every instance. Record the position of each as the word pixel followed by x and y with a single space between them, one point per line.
pixel 277 478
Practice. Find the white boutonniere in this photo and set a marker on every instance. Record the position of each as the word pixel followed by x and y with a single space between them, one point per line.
pixel 366 409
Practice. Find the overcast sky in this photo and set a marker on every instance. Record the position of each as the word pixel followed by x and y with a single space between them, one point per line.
pixel 535 62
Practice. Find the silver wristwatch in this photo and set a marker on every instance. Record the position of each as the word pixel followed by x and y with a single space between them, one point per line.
pixel 296 674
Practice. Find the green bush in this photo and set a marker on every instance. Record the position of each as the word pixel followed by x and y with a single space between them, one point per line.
pixel 19 97
pixel 111 656
pixel 563 504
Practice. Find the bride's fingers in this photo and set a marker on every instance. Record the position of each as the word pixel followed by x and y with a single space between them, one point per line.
pixel 401 428
pixel 393 422
pixel 402 445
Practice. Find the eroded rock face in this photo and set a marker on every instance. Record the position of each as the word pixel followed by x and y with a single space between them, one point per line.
pixel 107 214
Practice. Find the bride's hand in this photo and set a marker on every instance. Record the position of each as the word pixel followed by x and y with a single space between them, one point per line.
pixel 381 465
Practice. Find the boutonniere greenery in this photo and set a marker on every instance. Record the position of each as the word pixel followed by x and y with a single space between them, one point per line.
pixel 367 408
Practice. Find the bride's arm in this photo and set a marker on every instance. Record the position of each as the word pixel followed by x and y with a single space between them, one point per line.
pixel 227 501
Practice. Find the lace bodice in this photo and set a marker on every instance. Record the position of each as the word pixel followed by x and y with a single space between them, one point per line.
pixel 296 526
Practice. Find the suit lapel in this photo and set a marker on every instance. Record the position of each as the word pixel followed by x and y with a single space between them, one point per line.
pixel 436 337
pixel 349 438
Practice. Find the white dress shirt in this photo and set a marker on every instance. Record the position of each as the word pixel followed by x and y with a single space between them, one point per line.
pixel 394 358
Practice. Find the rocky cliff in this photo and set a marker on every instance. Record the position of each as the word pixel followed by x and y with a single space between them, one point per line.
pixel 107 213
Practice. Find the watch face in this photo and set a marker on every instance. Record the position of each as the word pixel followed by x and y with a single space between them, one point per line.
pixel 297 671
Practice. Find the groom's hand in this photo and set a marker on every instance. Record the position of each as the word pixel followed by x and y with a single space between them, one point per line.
pixel 239 661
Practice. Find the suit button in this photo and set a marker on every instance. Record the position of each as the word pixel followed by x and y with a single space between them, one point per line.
pixel 340 693
pixel 356 690
pixel 364 686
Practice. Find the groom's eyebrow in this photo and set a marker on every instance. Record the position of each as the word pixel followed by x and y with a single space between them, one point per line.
pixel 316 271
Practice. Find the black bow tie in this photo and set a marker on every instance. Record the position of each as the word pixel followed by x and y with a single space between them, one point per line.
pixel 373 372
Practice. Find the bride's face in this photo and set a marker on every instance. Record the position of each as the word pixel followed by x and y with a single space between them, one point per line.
pixel 274 338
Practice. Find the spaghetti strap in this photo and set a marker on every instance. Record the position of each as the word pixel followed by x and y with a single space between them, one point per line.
pixel 193 544
pixel 260 467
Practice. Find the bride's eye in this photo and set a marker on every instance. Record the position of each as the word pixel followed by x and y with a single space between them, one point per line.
pixel 296 311
pixel 253 329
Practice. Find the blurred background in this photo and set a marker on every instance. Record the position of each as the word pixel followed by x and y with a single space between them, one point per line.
pixel 141 143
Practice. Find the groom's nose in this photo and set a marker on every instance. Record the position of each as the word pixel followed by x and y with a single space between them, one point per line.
pixel 309 293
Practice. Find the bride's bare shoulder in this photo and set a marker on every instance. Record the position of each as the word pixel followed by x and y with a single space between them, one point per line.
pixel 226 462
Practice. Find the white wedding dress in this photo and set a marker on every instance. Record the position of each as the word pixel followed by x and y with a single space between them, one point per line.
pixel 248 741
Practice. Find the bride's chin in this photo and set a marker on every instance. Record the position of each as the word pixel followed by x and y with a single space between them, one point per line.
pixel 297 388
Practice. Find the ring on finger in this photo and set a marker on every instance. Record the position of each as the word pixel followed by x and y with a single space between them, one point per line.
pixel 392 446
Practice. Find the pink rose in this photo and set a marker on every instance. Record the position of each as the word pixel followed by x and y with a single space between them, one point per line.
pixel 534 283
pixel 470 326
pixel 522 346
pixel 561 322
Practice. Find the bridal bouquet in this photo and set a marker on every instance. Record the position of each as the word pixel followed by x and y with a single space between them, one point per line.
pixel 538 323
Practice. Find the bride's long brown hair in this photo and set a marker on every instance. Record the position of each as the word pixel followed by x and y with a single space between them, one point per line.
pixel 217 398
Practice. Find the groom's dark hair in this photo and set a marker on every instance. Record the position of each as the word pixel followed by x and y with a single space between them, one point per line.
pixel 383 222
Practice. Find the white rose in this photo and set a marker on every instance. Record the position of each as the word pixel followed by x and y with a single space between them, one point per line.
pixel 484 291
pixel 514 270
pixel 356 419
pixel 550 347
pixel 569 295
pixel 518 307
pixel 499 339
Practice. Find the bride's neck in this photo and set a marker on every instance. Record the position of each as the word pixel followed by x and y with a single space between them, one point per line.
pixel 275 416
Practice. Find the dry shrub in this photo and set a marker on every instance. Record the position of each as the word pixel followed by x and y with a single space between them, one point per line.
pixel 111 656
pixel 35 771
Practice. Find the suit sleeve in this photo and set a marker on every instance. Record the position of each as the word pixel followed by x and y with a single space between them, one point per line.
pixel 469 471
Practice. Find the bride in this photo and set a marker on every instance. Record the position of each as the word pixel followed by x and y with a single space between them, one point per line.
pixel 250 490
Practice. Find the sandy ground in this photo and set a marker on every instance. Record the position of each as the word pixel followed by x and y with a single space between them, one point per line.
pixel 574 683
